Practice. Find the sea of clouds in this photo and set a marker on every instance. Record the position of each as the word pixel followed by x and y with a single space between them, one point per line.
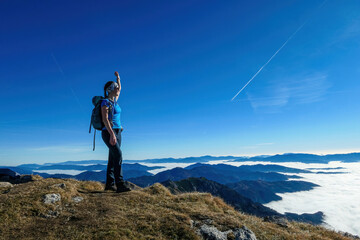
pixel 337 197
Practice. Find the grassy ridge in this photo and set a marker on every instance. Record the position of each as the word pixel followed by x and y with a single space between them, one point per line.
pixel 149 213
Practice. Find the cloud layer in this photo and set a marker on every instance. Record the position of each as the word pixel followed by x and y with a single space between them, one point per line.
pixel 337 196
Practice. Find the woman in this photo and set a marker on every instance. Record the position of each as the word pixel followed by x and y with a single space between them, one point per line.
pixel 111 134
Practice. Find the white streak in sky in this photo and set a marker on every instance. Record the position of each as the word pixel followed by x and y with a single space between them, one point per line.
pixel 57 64
pixel 292 35
pixel 63 75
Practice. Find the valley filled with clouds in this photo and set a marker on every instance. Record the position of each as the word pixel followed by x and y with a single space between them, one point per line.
pixel 337 197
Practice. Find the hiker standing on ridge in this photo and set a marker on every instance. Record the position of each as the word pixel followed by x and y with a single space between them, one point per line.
pixel 111 134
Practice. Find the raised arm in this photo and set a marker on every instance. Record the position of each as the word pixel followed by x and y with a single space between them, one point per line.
pixel 118 82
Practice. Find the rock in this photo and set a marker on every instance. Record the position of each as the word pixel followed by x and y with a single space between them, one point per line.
pixel 77 199
pixel 5 185
pixel 278 220
pixel 208 221
pixel 60 185
pixel 52 214
pixel 15 178
pixel 212 233
pixel 349 235
pixel 192 223
pixel 244 234
pixel 195 224
pixel 52 198
pixel 5 172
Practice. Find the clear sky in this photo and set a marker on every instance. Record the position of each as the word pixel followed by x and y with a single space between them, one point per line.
pixel 181 63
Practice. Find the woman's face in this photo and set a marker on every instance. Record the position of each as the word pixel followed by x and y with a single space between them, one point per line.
pixel 117 91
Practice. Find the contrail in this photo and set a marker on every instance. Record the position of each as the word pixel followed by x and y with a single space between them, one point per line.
pixel 63 75
pixel 292 35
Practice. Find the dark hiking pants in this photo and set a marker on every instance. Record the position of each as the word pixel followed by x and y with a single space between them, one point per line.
pixel 114 173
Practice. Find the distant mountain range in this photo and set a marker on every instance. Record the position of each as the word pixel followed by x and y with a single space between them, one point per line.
pixel 127 166
pixel 220 173
pixel 253 168
pixel 287 157
pixel 206 158
pixel 99 176
pixel 95 172
pixel 258 182
pixel 235 199
pixel 306 158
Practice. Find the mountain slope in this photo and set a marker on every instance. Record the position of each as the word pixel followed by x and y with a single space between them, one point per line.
pixel 229 195
pixel 83 211
pixel 265 192
pixel 236 200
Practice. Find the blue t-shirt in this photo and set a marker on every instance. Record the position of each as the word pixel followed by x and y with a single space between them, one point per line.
pixel 114 114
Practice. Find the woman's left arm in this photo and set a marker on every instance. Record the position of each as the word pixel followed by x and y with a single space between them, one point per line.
pixel 118 82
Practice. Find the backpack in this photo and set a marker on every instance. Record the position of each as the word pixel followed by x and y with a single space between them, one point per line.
pixel 96 118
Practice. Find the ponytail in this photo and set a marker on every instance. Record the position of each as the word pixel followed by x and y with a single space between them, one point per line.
pixel 105 87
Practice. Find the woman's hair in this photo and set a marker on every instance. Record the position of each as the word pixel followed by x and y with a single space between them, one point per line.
pixel 106 86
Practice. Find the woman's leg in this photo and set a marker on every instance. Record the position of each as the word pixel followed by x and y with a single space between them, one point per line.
pixel 115 155
pixel 110 180
pixel 117 164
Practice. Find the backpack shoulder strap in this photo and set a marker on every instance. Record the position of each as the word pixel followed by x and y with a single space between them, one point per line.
pixel 111 106
pixel 94 140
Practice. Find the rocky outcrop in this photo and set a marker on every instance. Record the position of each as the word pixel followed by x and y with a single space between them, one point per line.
pixel 207 231
pixel 8 175
pixel 51 198
pixel 211 233
pixel 77 199
pixel 244 234
pixel 60 185
pixel 5 185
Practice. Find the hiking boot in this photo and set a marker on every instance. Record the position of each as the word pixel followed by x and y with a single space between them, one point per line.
pixel 110 187
pixel 122 188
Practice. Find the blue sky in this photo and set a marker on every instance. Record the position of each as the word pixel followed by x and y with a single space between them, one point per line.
pixel 180 64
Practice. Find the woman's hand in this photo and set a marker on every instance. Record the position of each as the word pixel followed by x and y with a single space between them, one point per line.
pixel 112 139
pixel 117 75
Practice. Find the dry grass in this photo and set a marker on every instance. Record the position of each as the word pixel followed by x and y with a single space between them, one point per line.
pixel 149 213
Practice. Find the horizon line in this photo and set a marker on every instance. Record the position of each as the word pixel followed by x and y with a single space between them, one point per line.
pixel 218 156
